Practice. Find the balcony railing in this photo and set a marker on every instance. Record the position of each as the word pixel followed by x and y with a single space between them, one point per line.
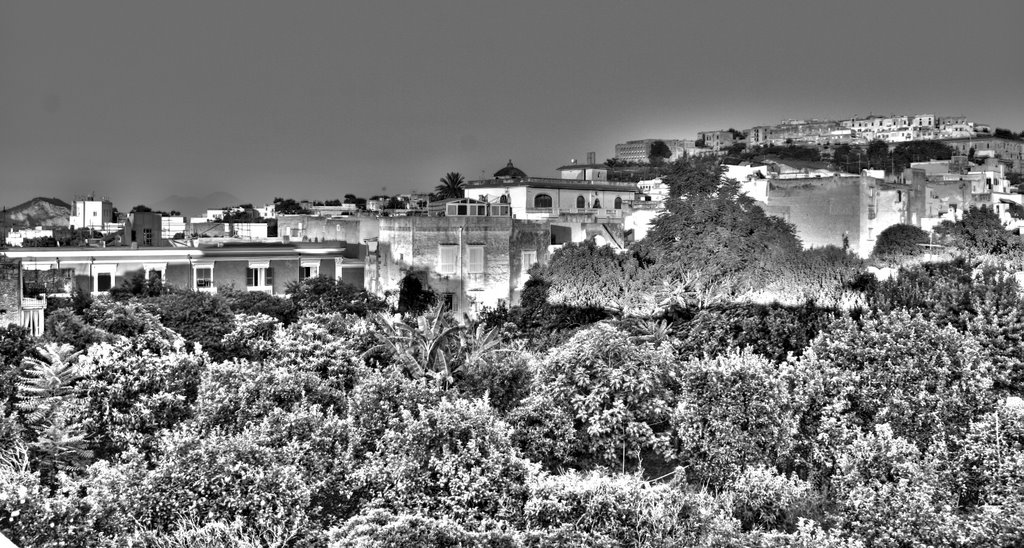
pixel 556 211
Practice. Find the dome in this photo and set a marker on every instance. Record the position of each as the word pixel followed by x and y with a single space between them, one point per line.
pixel 509 172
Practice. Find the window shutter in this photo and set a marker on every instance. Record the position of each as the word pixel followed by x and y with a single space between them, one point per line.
pixel 269 276
pixel 476 259
pixel 448 256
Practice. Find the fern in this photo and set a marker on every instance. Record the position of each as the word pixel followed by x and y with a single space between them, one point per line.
pixel 46 383
pixel 47 400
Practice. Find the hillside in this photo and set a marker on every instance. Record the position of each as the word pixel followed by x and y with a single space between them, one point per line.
pixel 39 211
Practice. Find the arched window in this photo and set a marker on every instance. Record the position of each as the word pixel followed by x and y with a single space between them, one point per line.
pixel 580 202
pixel 503 199
pixel 597 203
pixel 542 200
pixel 618 203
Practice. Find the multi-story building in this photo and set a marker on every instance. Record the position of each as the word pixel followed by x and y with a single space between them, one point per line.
pixel 842 211
pixel 87 212
pixel 266 268
pixel 1008 151
pixel 640 150
pixel 716 140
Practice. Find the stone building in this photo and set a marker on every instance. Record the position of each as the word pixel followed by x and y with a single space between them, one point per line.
pixel 841 211
pixel 464 259
pixel 268 268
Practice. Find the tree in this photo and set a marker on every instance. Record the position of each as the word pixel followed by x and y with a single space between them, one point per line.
pixel 659 152
pixel 413 297
pixel 288 206
pixel 586 275
pixel 900 240
pixel 451 186
pixel 980 232
pixel 141 209
pixel 714 243
pixel 878 154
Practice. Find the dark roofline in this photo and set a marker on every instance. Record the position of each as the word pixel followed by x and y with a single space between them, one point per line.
pixel 568 184
pixel 582 166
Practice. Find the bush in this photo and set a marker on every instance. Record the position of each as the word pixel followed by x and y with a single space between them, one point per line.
pixel 764 499
pixel 773 331
pixel 618 391
pixel 898 241
pixel 257 302
pixel 201 318
pixel 326 295
pixel 734 412
pixel 926 382
pixel 382 529
pixel 453 459
pixel 135 389
pixel 623 510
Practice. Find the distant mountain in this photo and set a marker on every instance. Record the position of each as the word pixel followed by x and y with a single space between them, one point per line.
pixel 191 206
pixel 46 212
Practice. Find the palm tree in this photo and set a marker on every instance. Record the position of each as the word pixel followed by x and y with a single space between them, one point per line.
pixel 451 186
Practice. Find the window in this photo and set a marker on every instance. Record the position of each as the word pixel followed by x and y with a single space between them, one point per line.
pixel 309 269
pixel 529 259
pixel 580 202
pixel 618 203
pixel 104 281
pixel 503 199
pixel 448 301
pixel 204 278
pixel 447 259
pixel 154 272
pixel 259 276
pixel 103 277
pixel 597 203
pixel 542 200
pixel 476 259
pixel 147 236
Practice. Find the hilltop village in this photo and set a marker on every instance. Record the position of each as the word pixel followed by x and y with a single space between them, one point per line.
pixel 840 183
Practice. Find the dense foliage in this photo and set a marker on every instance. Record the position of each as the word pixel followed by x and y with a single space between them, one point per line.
pixel 791 403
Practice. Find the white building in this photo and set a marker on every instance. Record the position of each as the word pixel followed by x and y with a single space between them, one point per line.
pixel 16 238
pixel 172 226
pixel 87 212
pixel 539 198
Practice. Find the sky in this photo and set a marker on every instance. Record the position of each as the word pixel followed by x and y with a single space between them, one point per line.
pixel 139 100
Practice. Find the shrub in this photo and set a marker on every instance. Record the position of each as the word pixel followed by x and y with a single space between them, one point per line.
pixel 619 392
pixel 623 510
pixel 764 499
pixel 773 331
pixel 326 295
pixel 454 459
pixel 734 412
pixel 135 389
pixel 199 317
pixel 898 241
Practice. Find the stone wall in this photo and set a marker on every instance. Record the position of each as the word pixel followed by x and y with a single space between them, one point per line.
pixel 10 292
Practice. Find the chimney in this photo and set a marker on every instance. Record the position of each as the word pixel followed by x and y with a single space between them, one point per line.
pixel 591 158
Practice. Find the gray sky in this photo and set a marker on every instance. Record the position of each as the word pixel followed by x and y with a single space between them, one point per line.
pixel 139 100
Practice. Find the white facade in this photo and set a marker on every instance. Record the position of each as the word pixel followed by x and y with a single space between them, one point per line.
pixel 89 213
pixel 538 202
pixel 15 238
pixel 171 226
